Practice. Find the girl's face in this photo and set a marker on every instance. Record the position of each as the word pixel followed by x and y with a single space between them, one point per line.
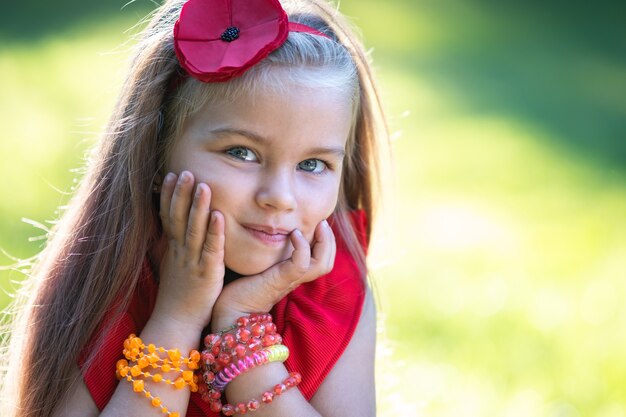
pixel 273 163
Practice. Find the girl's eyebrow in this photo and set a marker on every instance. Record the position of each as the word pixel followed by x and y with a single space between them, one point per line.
pixel 261 140
pixel 227 131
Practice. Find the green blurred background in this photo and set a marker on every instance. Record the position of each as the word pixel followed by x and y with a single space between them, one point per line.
pixel 501 270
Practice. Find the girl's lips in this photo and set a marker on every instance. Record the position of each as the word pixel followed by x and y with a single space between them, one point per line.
pixel 267 237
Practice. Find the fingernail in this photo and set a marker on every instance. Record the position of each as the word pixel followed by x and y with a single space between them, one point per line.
pixel 213 217
pixel 325 224
pixel 298 233
pixel 184 177
pixel 168 178
pixel 198 190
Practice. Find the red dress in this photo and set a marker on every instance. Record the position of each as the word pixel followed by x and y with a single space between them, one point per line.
pixel 317 321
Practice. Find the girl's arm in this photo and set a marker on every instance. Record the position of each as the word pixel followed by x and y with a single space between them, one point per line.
pixel 190 280
pixel 348 390
pixel 125 402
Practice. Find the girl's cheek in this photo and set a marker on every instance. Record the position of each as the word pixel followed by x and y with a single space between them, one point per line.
pixel 220 190
pixel 309 231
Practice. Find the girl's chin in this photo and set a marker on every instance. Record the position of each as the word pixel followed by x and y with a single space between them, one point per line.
pixel 242 271
pixel 252 262
pixel 251 267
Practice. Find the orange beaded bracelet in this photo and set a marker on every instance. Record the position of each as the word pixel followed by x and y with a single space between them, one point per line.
pixel 139 357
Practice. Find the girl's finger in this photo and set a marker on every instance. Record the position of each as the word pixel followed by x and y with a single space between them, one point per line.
pixel 331 263
pixel 260 292
pixel 301 256
pixel 213 248
pixel 323 248
pixel 179 208
pixel 167 189
pixel 198 221
pixel 295 267
pixel 282 276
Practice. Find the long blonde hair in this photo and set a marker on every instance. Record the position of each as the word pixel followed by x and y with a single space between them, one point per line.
pixel 94 254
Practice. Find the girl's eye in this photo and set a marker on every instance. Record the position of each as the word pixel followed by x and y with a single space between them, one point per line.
pixel 242 153
pixel 314 166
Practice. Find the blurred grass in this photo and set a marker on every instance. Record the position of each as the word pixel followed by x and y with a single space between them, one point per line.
pixel 33 20
pixel 54 96
pixel 501 273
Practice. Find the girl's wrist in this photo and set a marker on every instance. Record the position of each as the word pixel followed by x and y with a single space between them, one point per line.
pixel 241 349
pixel 225 314
pixel 176 330
pixel 172 317
pixel 224 321
pixel 225 317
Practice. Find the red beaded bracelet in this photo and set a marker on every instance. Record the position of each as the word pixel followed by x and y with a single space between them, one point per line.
pixel 235 349
pixel 249 335
pixel 213 397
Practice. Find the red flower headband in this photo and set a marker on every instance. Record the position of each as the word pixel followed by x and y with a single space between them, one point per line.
pixel 216 40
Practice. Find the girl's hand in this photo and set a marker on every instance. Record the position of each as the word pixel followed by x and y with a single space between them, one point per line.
pixel 259 293
pixel 192 269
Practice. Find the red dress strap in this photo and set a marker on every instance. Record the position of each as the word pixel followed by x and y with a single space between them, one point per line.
pixel 317 321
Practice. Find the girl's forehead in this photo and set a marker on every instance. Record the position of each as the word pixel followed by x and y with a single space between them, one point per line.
pixel 322 115
pixel 287 101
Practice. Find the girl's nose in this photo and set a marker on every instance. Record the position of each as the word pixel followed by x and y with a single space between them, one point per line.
pixel 276 191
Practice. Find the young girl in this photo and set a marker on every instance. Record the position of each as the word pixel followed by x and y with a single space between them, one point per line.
pixel 236 178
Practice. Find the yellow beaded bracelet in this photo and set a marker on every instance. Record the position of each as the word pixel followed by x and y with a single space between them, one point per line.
pixel 277 353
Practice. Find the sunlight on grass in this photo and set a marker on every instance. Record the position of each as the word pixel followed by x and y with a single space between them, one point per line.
pixel 55 97
pixel 507 285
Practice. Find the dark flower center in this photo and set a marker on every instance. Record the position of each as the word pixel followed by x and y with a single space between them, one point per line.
pixel 230 34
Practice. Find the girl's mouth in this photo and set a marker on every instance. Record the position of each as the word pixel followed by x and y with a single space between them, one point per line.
pixel 267 234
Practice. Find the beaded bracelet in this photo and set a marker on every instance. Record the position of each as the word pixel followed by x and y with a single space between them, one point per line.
pixel 276 353
pixel 251 341
pixel 267 397
pixel 134 350
pixel 248 335
pixel 139 357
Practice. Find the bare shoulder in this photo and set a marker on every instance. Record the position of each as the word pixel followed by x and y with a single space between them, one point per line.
pixel 349 387
pixel 77 402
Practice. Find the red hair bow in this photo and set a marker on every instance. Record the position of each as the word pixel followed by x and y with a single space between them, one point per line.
pixel 216 40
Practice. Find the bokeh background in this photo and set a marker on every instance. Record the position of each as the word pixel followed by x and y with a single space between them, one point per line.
pixel 502 271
